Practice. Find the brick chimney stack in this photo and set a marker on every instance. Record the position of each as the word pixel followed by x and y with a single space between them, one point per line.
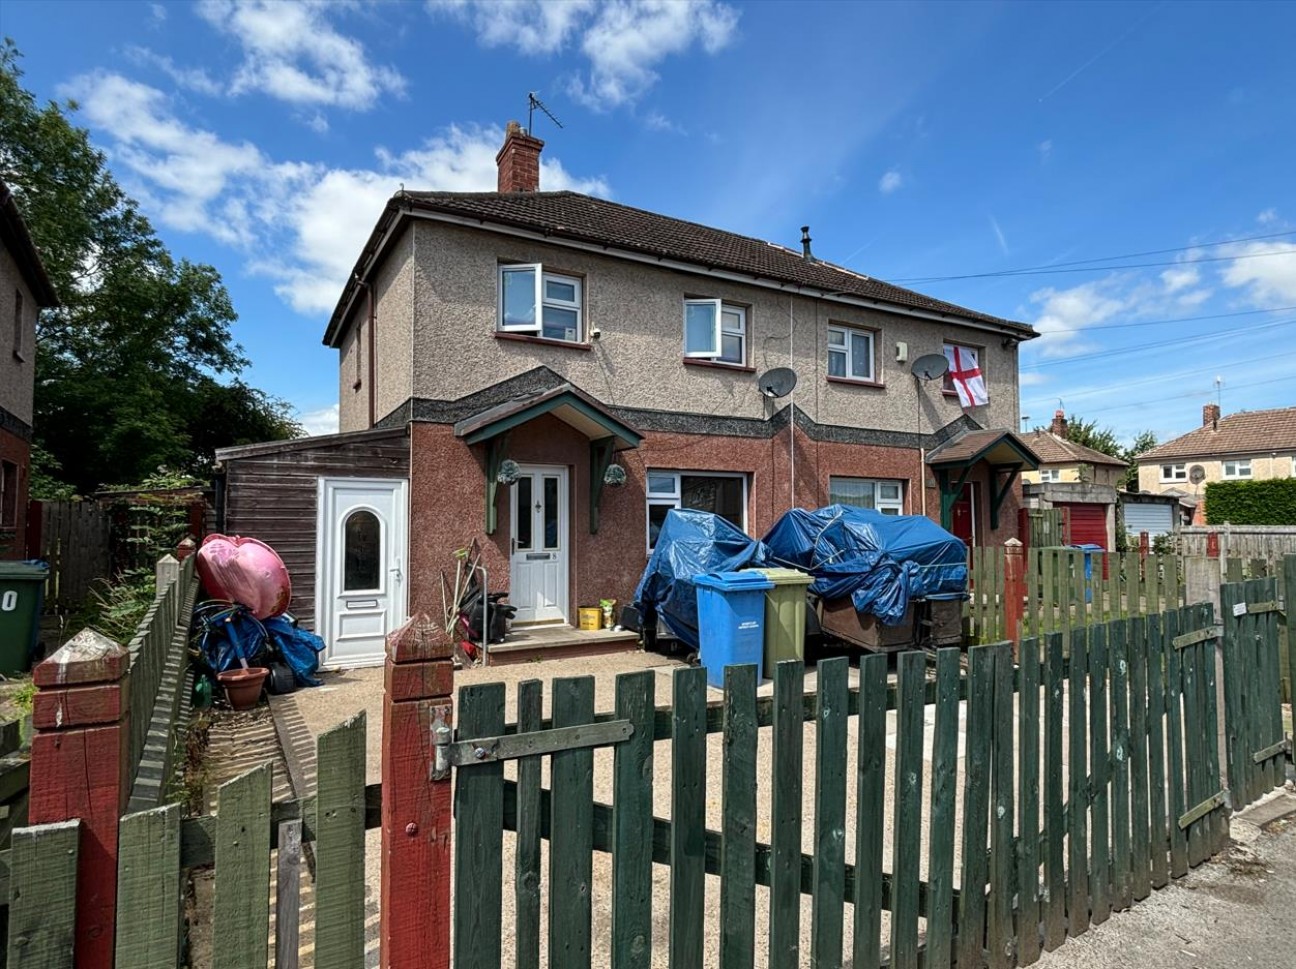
pixel 1211 416
pixel 519 160
pixel 1059 427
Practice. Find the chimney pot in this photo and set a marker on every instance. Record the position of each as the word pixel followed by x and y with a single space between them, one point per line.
pixel 1059 427
pixel 1211 416
pixel 518 160
pixel 806 254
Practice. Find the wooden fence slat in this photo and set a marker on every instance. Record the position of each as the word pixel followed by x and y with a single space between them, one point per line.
pixel 1140 822
pixel 785 817
pixel 241 916
pixel 1218 828
pixel 1054 825
pixel 148 888
pixel 1003 860
pixel 688 816
pixel 1048 559
pixel 1078 791
pixel 526 852
pixel 1122 871
pixel 828 900
pixel 907 823
pixel 1100 770
pixel 1289 627
pixel 944 771
pixel 42 895
pixel 976 805
pixel 340 843
pixel 571 845
pixel 1194 742
pixel 1159 834
pixel 287 895
pixel 479 834
pixel 738 845
pixel 1175 768
pixel 869 817
pixel 1270 685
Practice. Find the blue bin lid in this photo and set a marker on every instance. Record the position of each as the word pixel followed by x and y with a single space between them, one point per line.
pixel 734 581
pixel 1089 547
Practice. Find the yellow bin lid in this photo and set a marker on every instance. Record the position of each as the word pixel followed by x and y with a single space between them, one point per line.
pixel 786 576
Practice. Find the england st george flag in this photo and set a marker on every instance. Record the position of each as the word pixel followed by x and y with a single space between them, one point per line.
pixel 965 375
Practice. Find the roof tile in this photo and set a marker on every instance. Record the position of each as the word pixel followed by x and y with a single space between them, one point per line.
pixel 1244 433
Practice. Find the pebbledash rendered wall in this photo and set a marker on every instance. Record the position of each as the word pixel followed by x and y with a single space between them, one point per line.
pixel 447 503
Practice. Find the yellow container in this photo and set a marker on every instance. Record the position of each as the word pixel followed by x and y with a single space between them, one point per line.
pixel 591 619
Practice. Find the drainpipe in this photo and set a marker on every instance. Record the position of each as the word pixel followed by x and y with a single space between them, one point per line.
pixel 372 370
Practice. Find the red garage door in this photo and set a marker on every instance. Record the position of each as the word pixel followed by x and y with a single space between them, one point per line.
pixel 1088 524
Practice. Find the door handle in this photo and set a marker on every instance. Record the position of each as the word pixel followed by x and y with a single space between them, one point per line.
pixel 396 571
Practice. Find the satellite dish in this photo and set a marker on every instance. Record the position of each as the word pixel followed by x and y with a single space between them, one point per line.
pixel 1196 474
pixel 778 382
pixel 930 366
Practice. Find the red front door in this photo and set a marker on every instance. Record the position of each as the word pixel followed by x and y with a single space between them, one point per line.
pixel 964 515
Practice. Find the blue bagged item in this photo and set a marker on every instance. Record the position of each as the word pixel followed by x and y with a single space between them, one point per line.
pixel 690 543
pixel 228 635
pixel 879 561
pixel 299 648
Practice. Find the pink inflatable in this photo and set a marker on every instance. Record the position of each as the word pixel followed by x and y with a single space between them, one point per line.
pixel 246 571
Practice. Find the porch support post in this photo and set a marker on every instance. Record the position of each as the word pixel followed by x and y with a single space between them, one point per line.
pixel 601 452
pixel 414 927
pixel 949 494
pixel 494 455
pixel 1000 492
pixel 80 768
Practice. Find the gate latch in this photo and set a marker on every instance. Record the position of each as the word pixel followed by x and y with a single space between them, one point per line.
pixel 441 736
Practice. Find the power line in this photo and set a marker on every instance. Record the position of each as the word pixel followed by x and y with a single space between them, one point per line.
pixel 1192 393
pixel 1058 266
pixel 1182 319
pixel 1174 341
pixel 1213 368
pixel 1094 269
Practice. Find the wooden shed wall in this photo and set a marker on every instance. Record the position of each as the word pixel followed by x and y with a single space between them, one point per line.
pixel 274 497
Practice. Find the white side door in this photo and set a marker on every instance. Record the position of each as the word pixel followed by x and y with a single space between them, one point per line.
pixel 360 594
pixel 538 536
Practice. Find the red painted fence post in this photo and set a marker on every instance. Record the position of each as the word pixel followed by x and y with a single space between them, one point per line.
pixel 80 769
pixel 1212 545
pixel 416 806
pixel 1014 590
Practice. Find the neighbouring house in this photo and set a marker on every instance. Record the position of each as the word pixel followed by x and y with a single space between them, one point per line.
pixel 548 374
pixel 1076 479
pixel 1247 446
pixel 25 290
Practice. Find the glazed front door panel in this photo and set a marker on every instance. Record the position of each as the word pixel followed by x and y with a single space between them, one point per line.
pixel 538 572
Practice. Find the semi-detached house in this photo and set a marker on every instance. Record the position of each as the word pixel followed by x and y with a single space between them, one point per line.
pixel 549 374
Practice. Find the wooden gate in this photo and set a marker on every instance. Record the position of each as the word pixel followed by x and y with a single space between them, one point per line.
pixel 1086 780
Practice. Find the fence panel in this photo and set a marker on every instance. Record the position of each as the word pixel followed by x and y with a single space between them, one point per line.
pixel 688 816
pixel 944 772
pixel 42 896
pixel 830 813
pixel 738 833
pixel 908 816
pixel 339 843
pixel 571 845
pixel 869 827
pixel 148 889
pixel 74 538
pixel 241 920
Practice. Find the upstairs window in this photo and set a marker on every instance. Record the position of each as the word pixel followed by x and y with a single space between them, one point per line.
pixel 850 354
pixel 1050 474
pixel 540 303
pixel 1238 468
pixel 1174 472
pixel 715 331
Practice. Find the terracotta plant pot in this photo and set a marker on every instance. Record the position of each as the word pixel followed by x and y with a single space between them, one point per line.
pixel 243 687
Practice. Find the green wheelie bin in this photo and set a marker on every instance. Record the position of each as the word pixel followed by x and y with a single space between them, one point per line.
pixel 22 598
pixel 785 616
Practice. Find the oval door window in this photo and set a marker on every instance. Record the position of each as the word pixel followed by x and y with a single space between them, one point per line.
pixel 361 551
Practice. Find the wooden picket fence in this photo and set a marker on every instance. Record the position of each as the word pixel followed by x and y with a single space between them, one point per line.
pixel 1067 589
pixel 74 538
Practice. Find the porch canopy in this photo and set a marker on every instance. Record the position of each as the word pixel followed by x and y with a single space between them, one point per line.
pixel 607 435
pixel 1003 451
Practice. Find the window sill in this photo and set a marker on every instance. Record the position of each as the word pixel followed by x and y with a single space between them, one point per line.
pixel 697 362
pixel 541 340
pixel 856 382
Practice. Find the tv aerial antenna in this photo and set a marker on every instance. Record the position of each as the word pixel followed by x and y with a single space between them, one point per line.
pixel 534 102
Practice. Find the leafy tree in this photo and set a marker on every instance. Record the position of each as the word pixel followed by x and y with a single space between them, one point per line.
pixel 1107 441
pixel 130 367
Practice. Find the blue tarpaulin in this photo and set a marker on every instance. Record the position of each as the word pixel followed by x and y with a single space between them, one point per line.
pixel 690 543
pixel 879 561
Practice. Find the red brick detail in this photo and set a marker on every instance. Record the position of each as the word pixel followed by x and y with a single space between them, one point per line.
pixel 83 772
pixel 519 161
pixel 1212 545
pixel 416 810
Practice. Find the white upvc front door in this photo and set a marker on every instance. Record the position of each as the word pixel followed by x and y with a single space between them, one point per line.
pixel 360 594
pixel 538 542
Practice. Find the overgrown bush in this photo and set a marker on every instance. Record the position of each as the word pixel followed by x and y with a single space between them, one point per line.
pixel 1271 502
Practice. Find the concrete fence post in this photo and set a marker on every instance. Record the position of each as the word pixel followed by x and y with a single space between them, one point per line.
pixel 1014 591
pixel 166 571
pixel 80 769
pixel 416 804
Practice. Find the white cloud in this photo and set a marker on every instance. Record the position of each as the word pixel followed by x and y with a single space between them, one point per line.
pixel 1265 270
pixel 1032 378
pixel 1267 217
pixel 322 421
pixel 624 41
pixel 1180 278
pixel 291 51
pixel 158 11
pixel 189 78
pixel 1045 149
pixel 1003 241
pixel 889 182
pixel 1064 312
pixel 656 121
pixel 300 224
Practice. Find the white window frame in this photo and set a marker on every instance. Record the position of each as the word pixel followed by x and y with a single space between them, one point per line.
pixel 536 328
pixel 880 504
pixel 846 349
pixel 1050 474
pixel 660 499
pixel 1238 465
pixel 719 327
pixel 1178 472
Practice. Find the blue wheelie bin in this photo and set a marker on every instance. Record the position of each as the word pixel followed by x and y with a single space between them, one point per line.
pixel 731 621
pixel 1088 548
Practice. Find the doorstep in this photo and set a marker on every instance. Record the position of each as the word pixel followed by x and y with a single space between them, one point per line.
pixel 526 644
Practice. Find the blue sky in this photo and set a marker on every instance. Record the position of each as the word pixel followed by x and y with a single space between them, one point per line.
pixel 919 141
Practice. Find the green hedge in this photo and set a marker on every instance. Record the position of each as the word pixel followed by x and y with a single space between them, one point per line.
pixel 1271 502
